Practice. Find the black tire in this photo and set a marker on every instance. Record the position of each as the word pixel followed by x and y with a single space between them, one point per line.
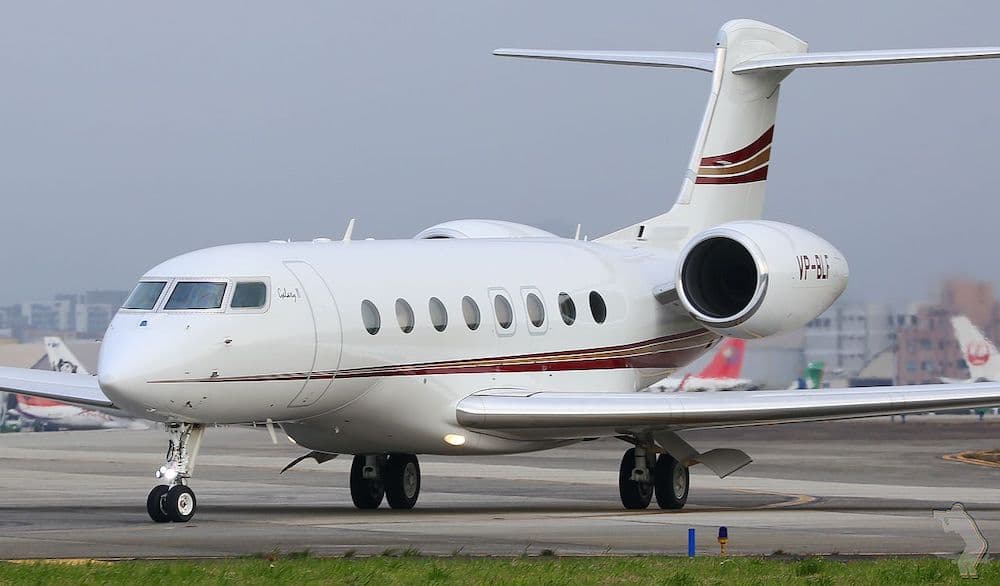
pixel 155 503
pixel 402 481
pixel 180 504
pixel 672 481
pixel 634 495
pixel 366 494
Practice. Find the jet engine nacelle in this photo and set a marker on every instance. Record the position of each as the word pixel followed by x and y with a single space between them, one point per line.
pixel 757 278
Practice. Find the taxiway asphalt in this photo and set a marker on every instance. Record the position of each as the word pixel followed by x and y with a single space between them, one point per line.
pixel 861 487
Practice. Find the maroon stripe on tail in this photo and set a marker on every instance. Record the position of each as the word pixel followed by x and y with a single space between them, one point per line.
pixel 742 154
pixel 758 174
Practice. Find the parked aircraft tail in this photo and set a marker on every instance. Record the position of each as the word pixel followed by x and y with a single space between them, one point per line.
pixel 727 362
pixel 812 376
pixel 61 358
pixel 980 354
pixel 729 164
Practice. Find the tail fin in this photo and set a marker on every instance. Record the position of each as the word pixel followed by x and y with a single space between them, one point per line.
pixel 728 360
pixel 980 354
pixel 812 377
pixel 729 164
pixel 62 358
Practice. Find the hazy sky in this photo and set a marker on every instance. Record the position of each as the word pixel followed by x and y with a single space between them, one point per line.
pixel 131 132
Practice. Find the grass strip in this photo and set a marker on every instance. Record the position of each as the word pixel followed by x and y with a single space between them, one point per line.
pixel 414 569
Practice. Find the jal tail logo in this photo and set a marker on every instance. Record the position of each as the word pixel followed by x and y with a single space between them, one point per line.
pixel 977 354
pixel 813 266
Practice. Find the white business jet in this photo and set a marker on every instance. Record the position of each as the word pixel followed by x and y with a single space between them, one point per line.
pixel 482 337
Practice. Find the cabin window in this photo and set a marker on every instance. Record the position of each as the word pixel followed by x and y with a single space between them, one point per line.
pixel 252 295
pixel 597 307
pixel 567 309
pixel 145 295
pixel 504 312
pixel 470 311
pixel 439 315
pixel 196 295
pixel 536 311
pixel 404 315
pixel 370 317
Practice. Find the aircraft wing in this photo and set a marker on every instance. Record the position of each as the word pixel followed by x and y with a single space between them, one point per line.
pixel 71 388
pixel 526 414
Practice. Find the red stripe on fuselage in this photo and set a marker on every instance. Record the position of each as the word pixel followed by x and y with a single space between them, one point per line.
pixel 643 354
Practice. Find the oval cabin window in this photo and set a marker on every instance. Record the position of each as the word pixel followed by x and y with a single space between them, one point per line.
pixel 504 312
pixel 567 309
pixel 536 311
pixel 597 307
pixel 404 315
pixel 470 310
pixel 370 317
pixel 439 315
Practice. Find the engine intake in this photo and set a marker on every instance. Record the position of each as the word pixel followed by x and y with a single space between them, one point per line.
pixel 757 278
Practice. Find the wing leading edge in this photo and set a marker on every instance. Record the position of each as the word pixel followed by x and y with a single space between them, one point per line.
pixel 525 414
pixel 75 389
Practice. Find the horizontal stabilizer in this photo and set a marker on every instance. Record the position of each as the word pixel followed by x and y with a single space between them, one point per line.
pixel 75 389
pixel 852 58
pixel 702 61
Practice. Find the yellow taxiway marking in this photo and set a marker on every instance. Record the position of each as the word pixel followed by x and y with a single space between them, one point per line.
pixel 970 458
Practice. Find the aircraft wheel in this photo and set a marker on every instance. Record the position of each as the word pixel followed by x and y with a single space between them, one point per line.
pixel 672 481
pixel 634 495
pixel 155 502
pixel 402 481
pixel 366 494
pixel 180 503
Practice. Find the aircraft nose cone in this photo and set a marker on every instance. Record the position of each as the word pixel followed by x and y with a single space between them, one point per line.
pixel 120 372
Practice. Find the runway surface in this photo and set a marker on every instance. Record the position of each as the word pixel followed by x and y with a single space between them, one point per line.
pixel 844 487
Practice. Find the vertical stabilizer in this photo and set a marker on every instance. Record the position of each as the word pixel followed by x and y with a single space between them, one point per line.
pixel 727 362
pixel 61 358
pixel 979 353
pixel 727 172
pixel 729 163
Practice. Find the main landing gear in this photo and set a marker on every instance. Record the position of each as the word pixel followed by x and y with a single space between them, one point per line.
pixel 175 501
pixel 642 474
pixel 395 477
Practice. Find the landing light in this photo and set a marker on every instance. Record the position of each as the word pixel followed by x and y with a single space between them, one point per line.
pixel 454 439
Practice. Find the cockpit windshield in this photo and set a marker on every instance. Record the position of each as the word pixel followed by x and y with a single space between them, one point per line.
pixel 196 295
pixel 145 295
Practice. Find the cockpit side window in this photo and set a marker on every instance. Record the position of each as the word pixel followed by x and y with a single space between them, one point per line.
pixel 145 295
pixel 196 295
pixel 249 295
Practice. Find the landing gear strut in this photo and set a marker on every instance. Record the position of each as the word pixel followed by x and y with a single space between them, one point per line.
pixel 395 477
pixel 175 501
pixel 641 475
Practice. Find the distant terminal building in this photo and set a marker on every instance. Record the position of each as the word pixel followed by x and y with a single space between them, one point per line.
pixel 80 315
pixel 848 336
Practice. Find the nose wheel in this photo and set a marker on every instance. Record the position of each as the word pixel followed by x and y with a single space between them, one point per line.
pixel 175 501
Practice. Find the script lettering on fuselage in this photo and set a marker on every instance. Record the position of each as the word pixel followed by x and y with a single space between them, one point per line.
pixel 813 266
pixel 292 294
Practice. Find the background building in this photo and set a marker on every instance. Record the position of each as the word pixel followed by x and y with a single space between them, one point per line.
pixel 849 335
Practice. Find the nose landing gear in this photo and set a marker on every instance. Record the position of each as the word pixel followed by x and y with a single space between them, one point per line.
pixel 175 501
pixel 395 477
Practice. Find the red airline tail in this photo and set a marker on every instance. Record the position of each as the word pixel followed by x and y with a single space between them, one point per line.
pixel 728 360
